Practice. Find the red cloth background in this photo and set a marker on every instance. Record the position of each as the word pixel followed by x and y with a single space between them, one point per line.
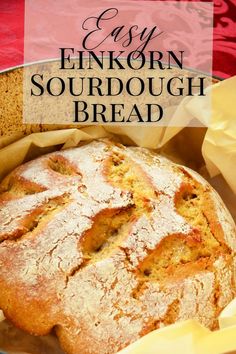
pixel 224 56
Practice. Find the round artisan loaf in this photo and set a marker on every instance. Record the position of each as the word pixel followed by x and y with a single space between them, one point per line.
pixel 105 243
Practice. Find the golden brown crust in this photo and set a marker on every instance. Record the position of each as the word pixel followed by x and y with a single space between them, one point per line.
pixel 106 243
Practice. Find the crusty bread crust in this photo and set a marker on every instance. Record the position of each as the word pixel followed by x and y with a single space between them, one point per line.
pixel 106 243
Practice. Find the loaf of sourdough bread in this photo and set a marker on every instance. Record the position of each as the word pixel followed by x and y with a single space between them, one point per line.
pixel 105 243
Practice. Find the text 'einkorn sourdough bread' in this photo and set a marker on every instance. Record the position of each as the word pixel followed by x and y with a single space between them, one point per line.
pixel 105 243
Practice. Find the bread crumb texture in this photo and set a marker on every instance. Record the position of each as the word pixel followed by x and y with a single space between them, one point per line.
pixel 104 243
pixel 11 103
